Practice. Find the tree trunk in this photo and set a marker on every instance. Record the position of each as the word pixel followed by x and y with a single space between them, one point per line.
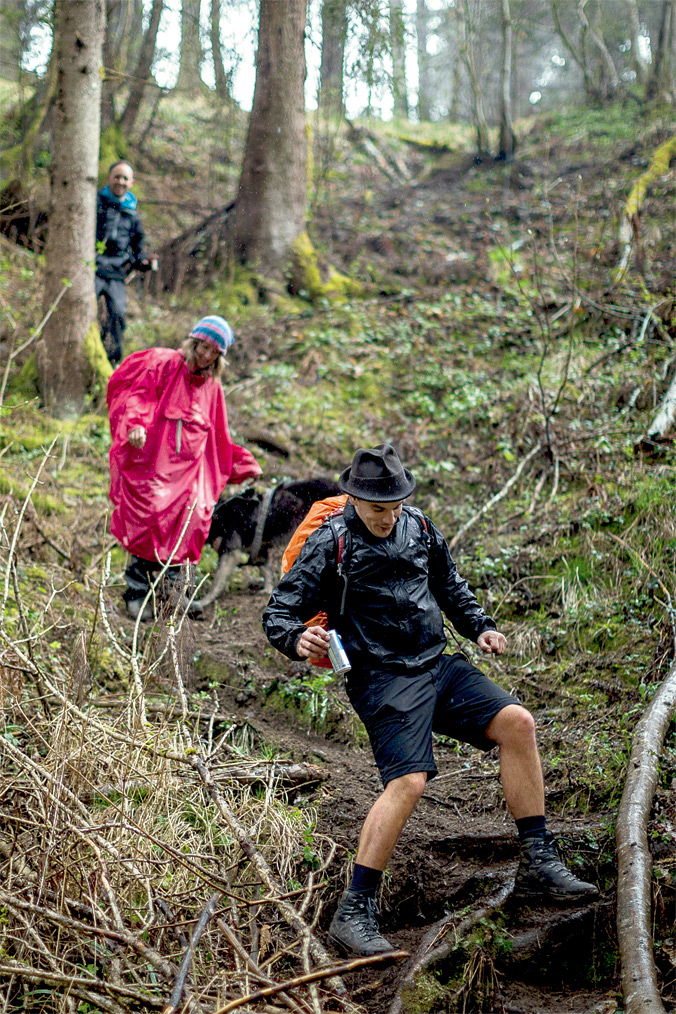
pixel 578 56
pixel 62 364
pixel 189 79
pixel 661 81
pixel 608 77
pixel 334 34
pixel 220 78
pixel 271 201
pixel 480 125
pixel 117 18
pixel 424 87
pixel 634 860
pixel 398 47
pixel 142 73
pixel 12 13
pixel 638 63
pixel 507 142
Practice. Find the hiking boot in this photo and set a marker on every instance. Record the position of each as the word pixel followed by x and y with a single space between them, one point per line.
pixel 134 608
pixel 354 927
pixel 542 874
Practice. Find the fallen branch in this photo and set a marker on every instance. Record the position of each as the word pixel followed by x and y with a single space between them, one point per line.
pixel 206 914
pixel 634 861
pixel 500 495
pixel 313 976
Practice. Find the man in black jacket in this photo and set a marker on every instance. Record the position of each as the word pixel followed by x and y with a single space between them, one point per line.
pixel 119 249
pixel 385 599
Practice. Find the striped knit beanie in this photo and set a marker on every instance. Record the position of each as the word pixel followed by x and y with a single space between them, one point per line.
pixel 214 330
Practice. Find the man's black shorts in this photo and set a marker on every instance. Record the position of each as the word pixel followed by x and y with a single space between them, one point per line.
pixel 401 712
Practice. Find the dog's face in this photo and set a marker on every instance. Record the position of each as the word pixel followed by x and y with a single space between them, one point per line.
pixel 234 522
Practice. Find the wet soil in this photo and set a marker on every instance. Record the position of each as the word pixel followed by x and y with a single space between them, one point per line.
pixel 458 847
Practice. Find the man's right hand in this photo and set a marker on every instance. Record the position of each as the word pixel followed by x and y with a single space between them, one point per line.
pixel 137 436
pixel 313 643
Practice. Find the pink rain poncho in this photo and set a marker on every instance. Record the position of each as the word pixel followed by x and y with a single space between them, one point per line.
pixel 187 459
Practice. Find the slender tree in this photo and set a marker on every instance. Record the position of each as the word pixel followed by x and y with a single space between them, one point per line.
pixel 334 34
pixel 662 81
pixel 63 369
pixel 221 80
pixel 468 50
pixel 507 142
pixel 189 79
pixel 142 72
pixel 271 201
pixel 637 62
pixel 398 49
pixel 424 82
pixel 12 13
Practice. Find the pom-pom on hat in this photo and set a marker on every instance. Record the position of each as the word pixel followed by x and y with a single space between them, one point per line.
pixel 377 474
pixel 214 330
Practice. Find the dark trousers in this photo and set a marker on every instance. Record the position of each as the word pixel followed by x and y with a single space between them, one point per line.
pixel 114 292
pixel 140 573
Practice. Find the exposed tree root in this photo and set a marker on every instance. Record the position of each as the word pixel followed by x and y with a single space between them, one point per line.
pixel 441 939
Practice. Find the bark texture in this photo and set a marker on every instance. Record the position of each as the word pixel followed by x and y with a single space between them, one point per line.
pixel 221 80
pixel 142 74
pixel 424 78
pixel 507 142
pixel 398 46
pixel 189 79
pixel 11 14
pixel 62 363
pixel 334 33
pixel 634 861
pixel 271 201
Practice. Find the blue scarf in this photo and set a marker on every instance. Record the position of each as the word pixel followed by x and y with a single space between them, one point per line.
pixel 128 201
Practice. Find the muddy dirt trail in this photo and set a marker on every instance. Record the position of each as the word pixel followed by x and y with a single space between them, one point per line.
pixel 457 853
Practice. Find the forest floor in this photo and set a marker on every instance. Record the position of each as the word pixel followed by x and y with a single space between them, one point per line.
pixel 490 326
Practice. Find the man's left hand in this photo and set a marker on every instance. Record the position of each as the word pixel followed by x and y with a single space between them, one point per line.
pixel 492 642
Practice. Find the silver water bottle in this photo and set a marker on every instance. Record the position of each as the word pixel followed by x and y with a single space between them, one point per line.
pixel 340 663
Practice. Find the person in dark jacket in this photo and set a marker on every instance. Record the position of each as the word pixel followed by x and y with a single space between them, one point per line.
pixel 119 250
pixel 386 600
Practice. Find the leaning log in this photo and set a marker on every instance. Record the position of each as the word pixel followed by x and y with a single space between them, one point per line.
pixel 634 861
pixel 629 224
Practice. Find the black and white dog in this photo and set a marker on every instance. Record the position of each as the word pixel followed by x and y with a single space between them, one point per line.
pixel 254 523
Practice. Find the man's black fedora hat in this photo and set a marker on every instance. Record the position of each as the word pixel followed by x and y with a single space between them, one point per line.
pixel 377 474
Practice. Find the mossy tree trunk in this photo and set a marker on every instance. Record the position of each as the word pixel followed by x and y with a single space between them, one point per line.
pixel 63 369
pixel 272 196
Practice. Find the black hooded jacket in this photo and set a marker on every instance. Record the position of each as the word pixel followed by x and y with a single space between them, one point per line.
pixel 397 588
pixel 119 229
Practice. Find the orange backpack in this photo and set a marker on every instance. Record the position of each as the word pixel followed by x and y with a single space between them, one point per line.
pixel 320 512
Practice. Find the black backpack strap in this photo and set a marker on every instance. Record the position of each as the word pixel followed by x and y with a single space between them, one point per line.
pixel 416 512
pixel 341 534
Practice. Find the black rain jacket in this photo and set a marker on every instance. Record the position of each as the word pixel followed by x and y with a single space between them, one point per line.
pixel 396 591
pixel 120 229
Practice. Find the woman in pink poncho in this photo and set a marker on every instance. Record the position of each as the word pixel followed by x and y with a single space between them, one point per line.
pixel 171 455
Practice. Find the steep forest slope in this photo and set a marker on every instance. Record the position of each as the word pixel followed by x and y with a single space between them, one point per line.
pixel 158 779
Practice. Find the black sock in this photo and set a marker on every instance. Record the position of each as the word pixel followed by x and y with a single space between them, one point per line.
pixel 366 880
pixel 531 827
